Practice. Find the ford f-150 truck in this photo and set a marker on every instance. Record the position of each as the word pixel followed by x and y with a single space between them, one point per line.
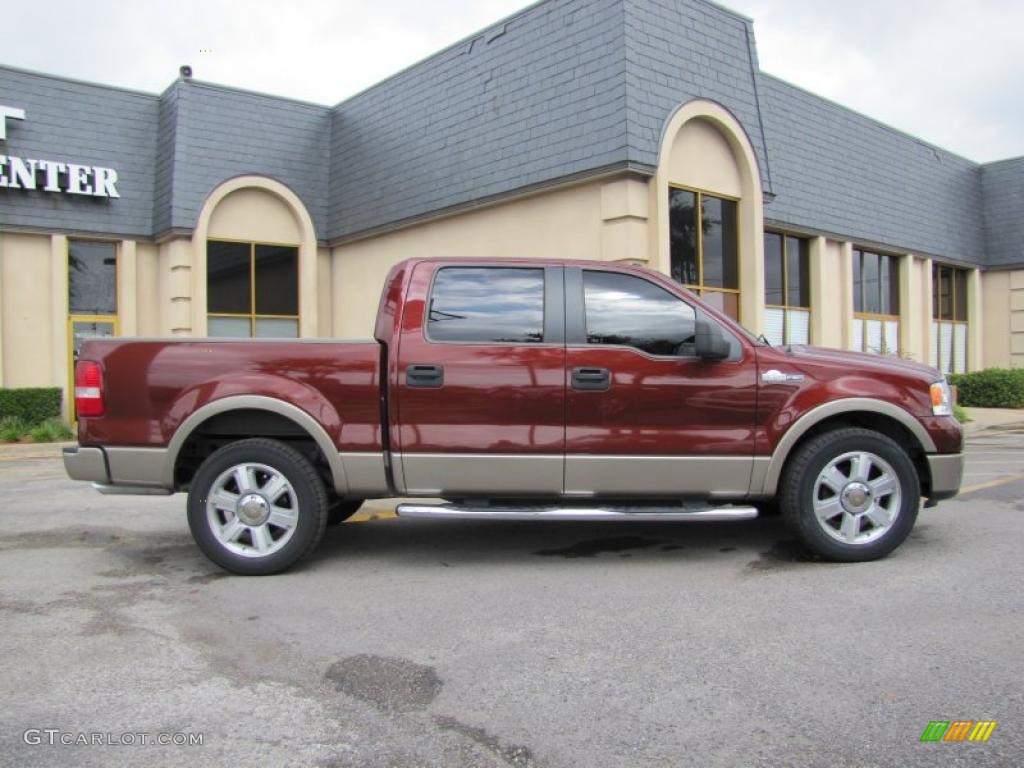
pixel 517 389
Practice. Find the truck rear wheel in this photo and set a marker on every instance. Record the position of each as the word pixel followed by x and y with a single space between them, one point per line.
pixel 257 507
pixel 850 495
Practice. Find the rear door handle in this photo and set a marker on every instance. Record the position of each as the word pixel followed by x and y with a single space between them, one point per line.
pixel 425 376
pixel 591 378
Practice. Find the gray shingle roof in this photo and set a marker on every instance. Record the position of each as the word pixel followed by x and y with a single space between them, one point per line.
pixel 1002 187
pixel 838 171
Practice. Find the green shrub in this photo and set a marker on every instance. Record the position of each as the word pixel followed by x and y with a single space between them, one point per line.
pixel 30 405
pixel 990 388
pixel 12 429
pixel 50 431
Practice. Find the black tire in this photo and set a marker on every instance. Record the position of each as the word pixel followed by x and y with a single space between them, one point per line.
pixel 800 487
pixel 339 510
pixel 306 496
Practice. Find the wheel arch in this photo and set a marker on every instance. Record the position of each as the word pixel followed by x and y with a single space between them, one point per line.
pixel 878 415
pixel 305 423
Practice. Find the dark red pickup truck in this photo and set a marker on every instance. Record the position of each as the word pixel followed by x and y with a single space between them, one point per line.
pixel 518 389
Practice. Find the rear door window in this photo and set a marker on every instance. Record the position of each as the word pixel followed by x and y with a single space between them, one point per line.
pixel 487 305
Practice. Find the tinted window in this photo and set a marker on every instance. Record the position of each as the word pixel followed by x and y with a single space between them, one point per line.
pixel 876 283
pixel 682 207
pixel 623 309
pixel 960 294
pixel 92 278
pixel 719 232
pixel 773 274
pixel 798 280
pixel 487 305
pixel 228 278
pixel 277 280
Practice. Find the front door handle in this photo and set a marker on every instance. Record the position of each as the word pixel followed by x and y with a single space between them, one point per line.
pixel 598 379
pixel 425 376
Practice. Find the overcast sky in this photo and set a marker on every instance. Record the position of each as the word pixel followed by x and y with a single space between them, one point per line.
pixel 947 71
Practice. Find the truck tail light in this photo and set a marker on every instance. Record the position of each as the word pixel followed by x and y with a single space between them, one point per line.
pixel 88 389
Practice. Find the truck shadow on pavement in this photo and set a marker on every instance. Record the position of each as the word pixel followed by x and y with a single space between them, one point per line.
pixel 547 544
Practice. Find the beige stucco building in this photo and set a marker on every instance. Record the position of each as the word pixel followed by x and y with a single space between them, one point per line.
pixel 207 210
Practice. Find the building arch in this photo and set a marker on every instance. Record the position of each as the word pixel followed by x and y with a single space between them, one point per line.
pixel 273 210
pixel 704 147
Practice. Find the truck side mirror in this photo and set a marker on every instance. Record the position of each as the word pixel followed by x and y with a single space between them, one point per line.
pixel 710 341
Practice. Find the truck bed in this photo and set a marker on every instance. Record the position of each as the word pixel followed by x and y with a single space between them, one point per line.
pixel 153 385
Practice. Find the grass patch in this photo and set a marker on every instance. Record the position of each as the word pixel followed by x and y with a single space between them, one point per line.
pixel 15 430
pixel 50 431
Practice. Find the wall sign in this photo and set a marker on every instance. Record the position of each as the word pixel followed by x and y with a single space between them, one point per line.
pixel 51 175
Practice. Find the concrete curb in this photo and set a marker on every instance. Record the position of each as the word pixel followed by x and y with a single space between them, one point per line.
pixel 993 419
pixel 33 450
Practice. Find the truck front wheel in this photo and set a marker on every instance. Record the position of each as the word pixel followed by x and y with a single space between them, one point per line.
pixel 850 495
pixel 256 507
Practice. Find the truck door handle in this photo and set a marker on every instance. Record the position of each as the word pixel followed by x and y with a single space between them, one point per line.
pixel 424 376
pixel 591 378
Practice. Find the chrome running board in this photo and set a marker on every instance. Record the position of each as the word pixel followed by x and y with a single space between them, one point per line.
pixel 624 512
pixel 130 490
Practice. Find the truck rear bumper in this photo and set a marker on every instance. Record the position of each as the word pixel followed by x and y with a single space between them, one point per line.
pixel 117 470
pixel 82 463
pixel 947 470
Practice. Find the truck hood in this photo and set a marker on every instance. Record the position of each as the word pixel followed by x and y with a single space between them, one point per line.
pixel 863 360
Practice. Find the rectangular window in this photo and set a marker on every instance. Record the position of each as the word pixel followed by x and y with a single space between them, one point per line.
pixel 705 247
pixel 876 302
pixel 630 311
pixel 487 305
pixel 252 290
pixel 949 319
pixel 92 278
pixel 787 291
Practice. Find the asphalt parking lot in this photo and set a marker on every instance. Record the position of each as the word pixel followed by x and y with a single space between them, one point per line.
pixel 419 643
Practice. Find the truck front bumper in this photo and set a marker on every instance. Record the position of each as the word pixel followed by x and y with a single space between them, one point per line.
pixel 83 463
pixel 947 471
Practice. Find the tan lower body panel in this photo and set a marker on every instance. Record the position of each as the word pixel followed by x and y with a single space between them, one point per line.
pixel 483 474
pixel 366 475
pixel 716 476
pixel 440 474
pixel 137 466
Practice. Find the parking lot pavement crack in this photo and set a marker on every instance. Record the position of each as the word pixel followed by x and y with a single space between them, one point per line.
pixel 514 755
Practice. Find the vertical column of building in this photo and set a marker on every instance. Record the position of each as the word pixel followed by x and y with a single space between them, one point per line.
pixel 927 310
pixel 846 294
pixel 1017 318
pixel 182 315
pixel 913 323
pixel 624 226
pixel 127 288
pixel 324 286
pixel 975 335
pixel 60 354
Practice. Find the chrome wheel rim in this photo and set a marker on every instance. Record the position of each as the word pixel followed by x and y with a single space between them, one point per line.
pixel 857 498
pixel 252 510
